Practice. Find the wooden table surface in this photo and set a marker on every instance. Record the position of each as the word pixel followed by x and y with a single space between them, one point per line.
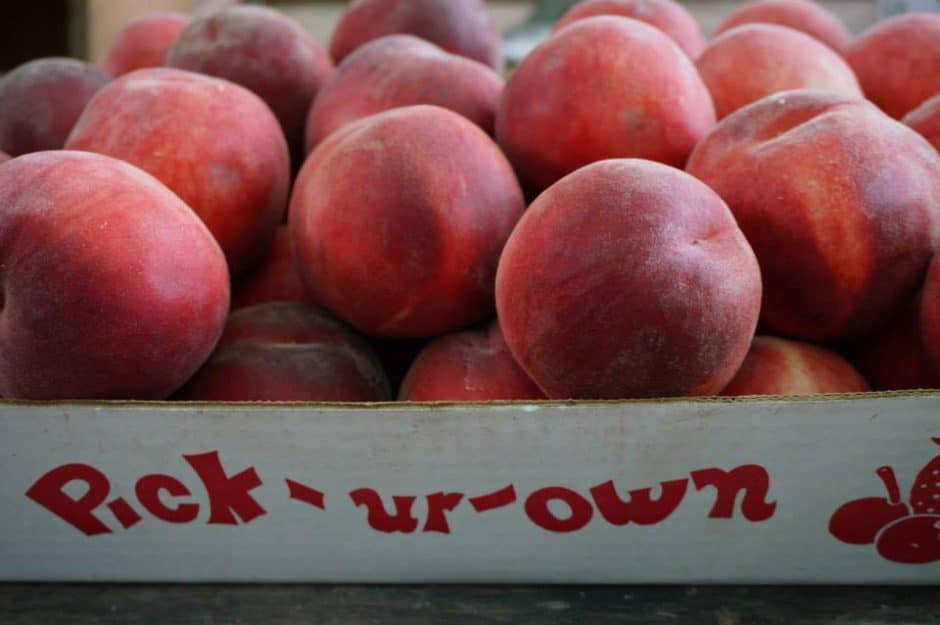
pixel 28 604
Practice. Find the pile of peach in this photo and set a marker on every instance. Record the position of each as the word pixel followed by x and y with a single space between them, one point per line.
pixel 223 210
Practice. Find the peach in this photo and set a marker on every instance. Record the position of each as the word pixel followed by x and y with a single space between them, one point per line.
pixel 398 221
pixel 628 279
pixel 776 366
pixel 276 279
pixel 214 143
pixel 840 203
pixel 112 287
pixel 464 27
pixel 666 15
pixel 893 357
pixel 40 101
pixel 752 61
pixel 603 87
pixel 805 16
pixel 262 50
pixel 925 119
pixel 400 70
pixel 286 351
pixel 143 42
pixel 930 313
pixel 897 61
pixel 468 366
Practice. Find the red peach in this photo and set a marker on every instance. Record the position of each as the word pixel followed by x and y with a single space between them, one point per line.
pixel 925 119
pixel 464 27
pixel 603 87
pixel 930 313
pixel 214 143
pixel 666 15
pixel 40 101
pixel 752 61
pixel 893 358
pixel 840 203
pixel 398 221
pixel 775 366
pixel 112 287
pixel 628 279
pixel 400 70
pixel 468 366
pixel 262 50
pixel 143 42
pixel 276 279
pixel 805 16
pixel 897 61
pixel 285 351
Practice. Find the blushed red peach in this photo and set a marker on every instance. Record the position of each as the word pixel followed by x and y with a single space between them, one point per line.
pixel 893 358
pixel 603 87
pixel 285 351
pixel 628 279
pixel 925 119
pixel 398 221
pixel 752 61
pixel 468 366
pixel 805 16
pixel 401 70
pixel 930 313
pixel 776 366
pixel 666 15
pixel 840 202
pixel 41 100
pixel 143 42
pixel 276 279
pixel 262 50
pixel 112 287
pixel 214 143
pixel 897 61
pixel 464 27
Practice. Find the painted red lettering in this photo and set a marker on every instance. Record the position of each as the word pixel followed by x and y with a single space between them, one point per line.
pixel 639 507
pixel 439 504
pixel 48 492
pixel 148 493
pixel 379 519
pixel 536 508
pixel 491 501
pixel 303 493
pixel 228 496
pixel 752 479
pixel 124 513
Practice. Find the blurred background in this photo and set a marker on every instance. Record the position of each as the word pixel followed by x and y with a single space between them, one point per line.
pixel 84 28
